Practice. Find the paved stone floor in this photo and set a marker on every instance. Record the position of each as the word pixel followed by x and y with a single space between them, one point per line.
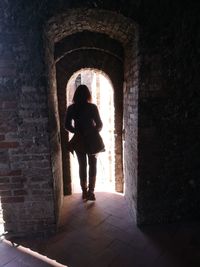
pixel 103 234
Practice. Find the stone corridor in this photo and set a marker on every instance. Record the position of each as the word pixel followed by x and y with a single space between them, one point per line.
pixel 149 50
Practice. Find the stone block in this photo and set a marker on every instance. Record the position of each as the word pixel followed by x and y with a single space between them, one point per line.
pixel 12 199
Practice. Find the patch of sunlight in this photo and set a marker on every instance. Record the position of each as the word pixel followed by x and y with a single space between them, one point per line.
pixel 36 255
pixel 2 230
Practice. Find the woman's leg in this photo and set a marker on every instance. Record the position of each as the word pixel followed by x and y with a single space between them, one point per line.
pixel 82 160
pixel 92 159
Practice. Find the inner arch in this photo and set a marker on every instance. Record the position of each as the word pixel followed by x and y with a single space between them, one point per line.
pixel 116 26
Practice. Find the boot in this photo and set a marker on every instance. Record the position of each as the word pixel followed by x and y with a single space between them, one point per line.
pixel 90 194
pixel 84 189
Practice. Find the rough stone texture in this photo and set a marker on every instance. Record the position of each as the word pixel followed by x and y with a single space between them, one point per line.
pixel 116 26
pixel 85 40
pixel 54 128
pixel 130 131
pixel 26 177
pixel 168 176
pixel 170 118
pixel 165 185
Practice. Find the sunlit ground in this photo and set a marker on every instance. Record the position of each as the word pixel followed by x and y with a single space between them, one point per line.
pixel 38 259
pixel 102 95
pixel 1 220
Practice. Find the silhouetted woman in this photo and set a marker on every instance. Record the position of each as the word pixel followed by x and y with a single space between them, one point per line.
pixel 82 119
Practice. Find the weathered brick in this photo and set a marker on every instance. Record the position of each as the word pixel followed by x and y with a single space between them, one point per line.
pixel 12 199
pixel 4 186
pixel 9 144
pixel 41 192
pixel 7 72
pixel 5 193
pixel 2 137
pixel 5 61
pixel 8 105
pixel 5 128
pixel 18 179
pixel 11 173
pixel 17 185
pixel 4 180
pixel 20 192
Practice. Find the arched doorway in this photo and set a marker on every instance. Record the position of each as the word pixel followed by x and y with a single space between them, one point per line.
pixel 101 90
pixel 112 66
pixel 96 44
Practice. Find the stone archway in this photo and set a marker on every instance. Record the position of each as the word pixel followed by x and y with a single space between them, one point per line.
pixel 92 59
pixel 87 38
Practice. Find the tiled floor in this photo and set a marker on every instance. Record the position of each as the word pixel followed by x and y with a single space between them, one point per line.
pixel 103 234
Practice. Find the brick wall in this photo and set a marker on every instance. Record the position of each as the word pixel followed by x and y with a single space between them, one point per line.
pixel 130 135
pixel 25 174
pixel 167 176
pixel 168 114
pixel 76 47
pixel 112 67
pixel 54 127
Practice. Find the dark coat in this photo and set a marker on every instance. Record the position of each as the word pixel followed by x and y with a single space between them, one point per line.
pixel 84 121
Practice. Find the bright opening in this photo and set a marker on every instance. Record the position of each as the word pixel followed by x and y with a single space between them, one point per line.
pixel 35 258
pixel 102 95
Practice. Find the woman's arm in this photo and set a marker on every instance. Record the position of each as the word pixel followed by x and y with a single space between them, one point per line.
pixel 68 120
pixel 97 119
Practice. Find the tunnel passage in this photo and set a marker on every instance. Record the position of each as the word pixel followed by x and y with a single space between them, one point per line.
pixel 95 58
pixel 160 111
pixel 105 41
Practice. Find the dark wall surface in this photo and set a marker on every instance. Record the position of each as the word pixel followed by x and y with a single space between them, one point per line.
pixel 168 112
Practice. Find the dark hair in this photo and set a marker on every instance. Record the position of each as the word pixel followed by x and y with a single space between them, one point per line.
pixel 82 94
